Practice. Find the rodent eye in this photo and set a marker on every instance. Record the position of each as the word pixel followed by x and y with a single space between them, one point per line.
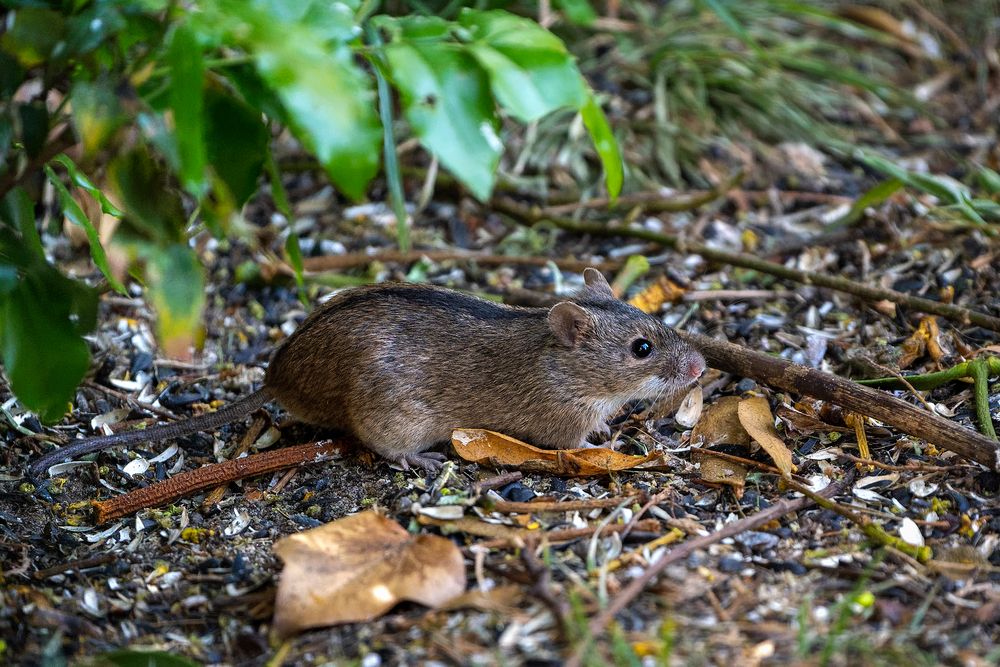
pixel 641 348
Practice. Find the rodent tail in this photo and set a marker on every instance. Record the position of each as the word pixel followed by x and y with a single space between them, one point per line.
pixel 230 413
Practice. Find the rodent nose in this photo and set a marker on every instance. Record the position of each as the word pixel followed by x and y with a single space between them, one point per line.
pixel 695 366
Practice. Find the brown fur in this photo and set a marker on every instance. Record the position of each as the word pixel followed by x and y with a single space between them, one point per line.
pixel 400 366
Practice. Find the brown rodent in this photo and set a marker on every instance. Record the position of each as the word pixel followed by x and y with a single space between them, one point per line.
pixel 400 366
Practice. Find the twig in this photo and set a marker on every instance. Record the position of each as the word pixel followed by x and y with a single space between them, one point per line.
pixel 504 506
pixel 256 426
pixel 541 577
pixel 497 482
pixel 354 260
pixel 77 565
pixel 637 585
pixel 132 402
pixel 850 395
pixel 909 467
pixel 516 538
pixel 653 202
pixel 533 215
pixel 210 476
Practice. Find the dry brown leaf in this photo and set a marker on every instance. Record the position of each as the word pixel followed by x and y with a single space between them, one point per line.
pixel 755 416
pixel 720 425
pixel 720 471
pixel 357 568
pixel 923 340
pixel 482 446
pixel 876 18
pixel 651 299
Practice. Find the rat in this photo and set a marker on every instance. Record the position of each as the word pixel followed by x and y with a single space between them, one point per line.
pixel 401 365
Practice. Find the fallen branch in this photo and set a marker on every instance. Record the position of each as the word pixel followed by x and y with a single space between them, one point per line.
pixel 532 215
pixel 325 263
pixel 599 622
pixel 211 476
pixel 884 407
pixel 506 506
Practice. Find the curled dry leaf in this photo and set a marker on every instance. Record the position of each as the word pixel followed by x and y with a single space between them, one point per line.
pixel 923 340
pixel 720 425
pixel 755 416
pixel 482 446
pixel 651 299
pixel 359 567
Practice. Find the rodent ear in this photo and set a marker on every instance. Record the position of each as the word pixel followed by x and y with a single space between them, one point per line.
pixel 568 322
pixel 596 283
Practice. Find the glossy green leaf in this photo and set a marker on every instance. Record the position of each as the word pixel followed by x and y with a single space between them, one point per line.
pixel 81 181
pixel 236 140
pixel 187 75
pixel 606 145
pixel 97 114
pixel 43 352
pixel 153 209
pixel 31 34
pixel 177 292
pixel 447 101
pixel 328 99
pixel 76 215
pixel 531 72
pixel 43 316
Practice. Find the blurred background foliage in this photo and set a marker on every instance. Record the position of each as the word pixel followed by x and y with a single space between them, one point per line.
pixel 144 124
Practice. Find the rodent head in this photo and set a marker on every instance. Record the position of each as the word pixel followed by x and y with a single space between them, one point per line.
pixel 617 350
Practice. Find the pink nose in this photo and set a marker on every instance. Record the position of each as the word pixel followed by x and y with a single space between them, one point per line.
pixel 695 367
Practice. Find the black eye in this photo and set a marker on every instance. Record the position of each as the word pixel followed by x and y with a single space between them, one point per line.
pixel 641 348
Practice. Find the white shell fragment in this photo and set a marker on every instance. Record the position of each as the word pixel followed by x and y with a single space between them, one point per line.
pixel 910 533
pixel 136 467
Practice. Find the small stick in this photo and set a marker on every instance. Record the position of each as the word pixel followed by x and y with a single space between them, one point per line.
pixel 256 426
pixel 497 482
pixel 521 537
pixel 210 476
pixel 354 260
pixel 504 506
pixel 909 467
pixel 77 565
pixel 637 585
pixel 850 395
pixel 531 215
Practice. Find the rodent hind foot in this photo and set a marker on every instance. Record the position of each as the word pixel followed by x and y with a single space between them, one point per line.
pixel 430 461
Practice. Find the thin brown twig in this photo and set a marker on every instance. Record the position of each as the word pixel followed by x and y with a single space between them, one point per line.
pixel 359 259
pixel 496 482
pixel 505 506
pixel 532 215
pixel 909 467
pixel 210 476
pixel 599 622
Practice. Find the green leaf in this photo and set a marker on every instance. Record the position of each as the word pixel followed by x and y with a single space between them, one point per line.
pixel 872 197
pixel 97 114
pixel 17 211
pixel 81 181
pixel 531 72
pixel 606 145
pixel 329 101
pixel 153 209
pixel 32 34
pixel 187 75
pixel 446 99
pixel 11 75
pixel 177 292
pixel 43 316
pixel 79 218
pixel 34 119
pixel 579 12
pixel 236 140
